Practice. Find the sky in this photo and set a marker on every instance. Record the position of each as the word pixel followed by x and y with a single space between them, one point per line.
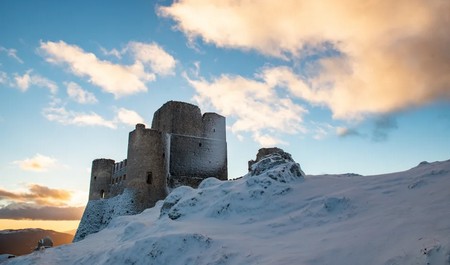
pixel 344 86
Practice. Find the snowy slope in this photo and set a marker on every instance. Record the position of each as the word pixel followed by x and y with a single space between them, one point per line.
pixel 277 216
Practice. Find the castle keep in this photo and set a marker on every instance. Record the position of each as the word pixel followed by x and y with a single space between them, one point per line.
pixel 182 147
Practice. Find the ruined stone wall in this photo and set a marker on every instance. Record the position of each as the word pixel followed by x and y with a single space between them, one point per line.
pixel 101 173
pixel 179 118
pixel 118 179
pixel 146 173
pixel 214 126
pixel 194 159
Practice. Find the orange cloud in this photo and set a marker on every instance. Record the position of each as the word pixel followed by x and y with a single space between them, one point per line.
pixel 257 107
pixel 38 163
pixel 20 211
pixel 37 195
pixel 391 55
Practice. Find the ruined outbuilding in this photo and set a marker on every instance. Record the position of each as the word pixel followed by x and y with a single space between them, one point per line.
pixel 182 147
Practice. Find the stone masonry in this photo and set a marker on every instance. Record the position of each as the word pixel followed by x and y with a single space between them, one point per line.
pixel 182 147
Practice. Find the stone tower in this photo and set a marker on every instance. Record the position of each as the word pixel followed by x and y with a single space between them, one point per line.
pixel 101 173
pixel 183 147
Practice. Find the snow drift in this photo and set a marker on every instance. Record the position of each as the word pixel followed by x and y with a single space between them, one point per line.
pixel 277 215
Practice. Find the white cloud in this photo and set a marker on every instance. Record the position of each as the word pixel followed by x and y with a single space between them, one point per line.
pixel 4 79
pixel 150 60
pixel 23 82
pixel 117 79
pixel 11 53
pixel 61 115
pixel 113 52
pixel 129 117
pixel 38 163
pixel 257 107
pixel 159 60
pixel 80 95
pixel 58 113
pixel 387 55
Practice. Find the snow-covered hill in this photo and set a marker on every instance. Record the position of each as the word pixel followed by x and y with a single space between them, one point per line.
pixel 276 215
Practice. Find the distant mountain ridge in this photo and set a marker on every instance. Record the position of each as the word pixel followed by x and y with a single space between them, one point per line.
pixel 24 241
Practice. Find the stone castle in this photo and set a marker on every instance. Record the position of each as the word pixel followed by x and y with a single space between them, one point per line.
pixel 183 147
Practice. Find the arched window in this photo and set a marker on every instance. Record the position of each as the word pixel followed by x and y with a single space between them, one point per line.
pixel 102 194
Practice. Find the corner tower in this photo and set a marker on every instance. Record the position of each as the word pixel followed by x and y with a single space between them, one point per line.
pixel 146 167
pixel 101 173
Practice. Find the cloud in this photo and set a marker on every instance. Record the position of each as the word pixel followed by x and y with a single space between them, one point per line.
pixel 4 79
pixel 37 195
pixel 61 115
pixel 159 60
pixel 38 163
pixel 113 52
pixel 28 79
pixel 80 95
pixel 20 211
pixel 383 126
pixel 120 80
pixel 257 107
pixel 58 113
pixel 374 57
pixel 11 53
pixel 113 78
pixel 347 132
pixel 129 117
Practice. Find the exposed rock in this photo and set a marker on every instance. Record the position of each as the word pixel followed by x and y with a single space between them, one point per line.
pixel 44 243
pixel 276 163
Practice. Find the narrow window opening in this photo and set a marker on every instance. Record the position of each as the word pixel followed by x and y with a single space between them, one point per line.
pixel 149 177
pixel 164 155
pixel 199 144
pixel 95 177
pixel 214 130
pixel 124 176
pixel 102 194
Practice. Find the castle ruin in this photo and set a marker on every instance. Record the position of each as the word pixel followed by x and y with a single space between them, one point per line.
pixel 182 147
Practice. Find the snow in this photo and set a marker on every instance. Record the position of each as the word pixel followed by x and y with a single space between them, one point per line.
pixel 99 213
pixel 271 216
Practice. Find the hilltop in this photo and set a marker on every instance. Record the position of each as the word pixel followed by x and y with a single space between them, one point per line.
pixel 277 215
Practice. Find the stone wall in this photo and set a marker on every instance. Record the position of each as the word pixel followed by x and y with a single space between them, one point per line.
pixel 179 118
pixel 214 126
pixel 101 173
pixel 196 157
pixel 146 172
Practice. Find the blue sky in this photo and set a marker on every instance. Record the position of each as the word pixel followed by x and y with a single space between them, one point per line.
pixel 361 89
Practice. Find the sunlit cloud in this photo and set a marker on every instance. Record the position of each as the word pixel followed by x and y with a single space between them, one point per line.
pixel 20 211
pixel 159 60
pixel 78 94
pixel 37 194
pixel 38 163
pixel 118 79
pixel 62 115
pixel 11 53
pixel 129 117
pixel 59 113
pixel 23 82
pixel 380 56
pixel 256 106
